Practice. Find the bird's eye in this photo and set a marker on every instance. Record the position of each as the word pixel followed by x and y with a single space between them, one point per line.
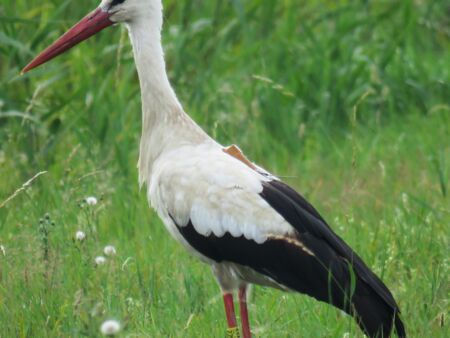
pixel 116 2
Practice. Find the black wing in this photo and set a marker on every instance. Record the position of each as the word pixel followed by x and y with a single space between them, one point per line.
pixel 306 220
pixel 316 234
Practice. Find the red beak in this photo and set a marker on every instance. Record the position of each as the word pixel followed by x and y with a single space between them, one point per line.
pixel 91 24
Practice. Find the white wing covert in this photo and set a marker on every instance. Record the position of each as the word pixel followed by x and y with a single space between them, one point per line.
pixel 214 191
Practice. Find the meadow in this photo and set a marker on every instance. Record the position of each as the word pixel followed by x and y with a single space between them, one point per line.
pixel 347 101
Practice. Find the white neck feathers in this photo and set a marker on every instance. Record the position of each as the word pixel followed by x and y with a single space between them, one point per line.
pixel 164 123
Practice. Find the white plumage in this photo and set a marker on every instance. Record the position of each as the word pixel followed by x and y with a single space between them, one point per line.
pixel 215 191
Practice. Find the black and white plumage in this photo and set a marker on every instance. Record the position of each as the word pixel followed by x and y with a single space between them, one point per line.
pixel 248 225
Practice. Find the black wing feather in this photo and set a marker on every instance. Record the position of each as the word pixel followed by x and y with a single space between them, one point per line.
pixel 305 219
pixel 372 301
pixel 282 261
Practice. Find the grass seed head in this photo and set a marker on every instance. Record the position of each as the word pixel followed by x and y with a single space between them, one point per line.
pixel 110 327
pixel 91 200
pixel 100 260
pixel 80 235
pixel 109 250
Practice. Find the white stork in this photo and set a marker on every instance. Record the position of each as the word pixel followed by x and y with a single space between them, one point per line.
pixel 244 222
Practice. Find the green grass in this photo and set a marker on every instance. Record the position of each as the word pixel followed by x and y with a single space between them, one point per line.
pixel 348 101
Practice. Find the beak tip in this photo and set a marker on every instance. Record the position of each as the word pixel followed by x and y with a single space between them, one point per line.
pixel 27 68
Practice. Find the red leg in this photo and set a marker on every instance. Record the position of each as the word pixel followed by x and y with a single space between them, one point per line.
pixel 231 316
pixel 244 313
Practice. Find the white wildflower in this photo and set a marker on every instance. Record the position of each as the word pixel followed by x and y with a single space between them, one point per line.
pixel 91 200
pixel 110 327
pixel 2 249
pixel 80 236
pixel 109 250
pixel 100 260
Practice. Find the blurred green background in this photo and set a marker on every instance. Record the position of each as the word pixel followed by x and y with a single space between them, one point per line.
pixel 348 101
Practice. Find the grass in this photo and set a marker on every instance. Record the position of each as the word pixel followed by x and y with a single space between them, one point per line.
pixel 347 101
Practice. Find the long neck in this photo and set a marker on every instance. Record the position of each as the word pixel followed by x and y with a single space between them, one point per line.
pixel 164 123
pixel 158 97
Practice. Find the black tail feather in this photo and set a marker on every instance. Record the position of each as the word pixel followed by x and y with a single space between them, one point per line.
pixel 399 327
pixel 374 316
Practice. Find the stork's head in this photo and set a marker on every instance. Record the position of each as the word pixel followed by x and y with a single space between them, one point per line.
pixel 130 11
pixel 107 13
